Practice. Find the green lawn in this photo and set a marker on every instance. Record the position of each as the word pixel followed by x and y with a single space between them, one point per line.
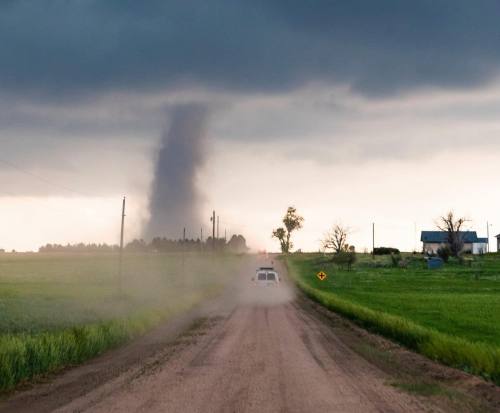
pixel 59 309
pixel 450 300
pixel 450 314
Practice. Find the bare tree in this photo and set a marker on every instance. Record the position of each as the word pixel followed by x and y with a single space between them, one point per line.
pixel 453 227
pixel 336 239
pixel 292 222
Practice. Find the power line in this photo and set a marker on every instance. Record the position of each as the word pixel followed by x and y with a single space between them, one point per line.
pixel 46 181
pixel 3 192
pixel 41 179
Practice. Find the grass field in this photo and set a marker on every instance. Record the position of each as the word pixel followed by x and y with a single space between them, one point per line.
pixel 60 309
pixel 451 314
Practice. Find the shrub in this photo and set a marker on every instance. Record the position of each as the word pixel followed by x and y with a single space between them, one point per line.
pixel 444 253
pixel 344 258
pixel 396 259
pixel 385 251
pixel 416 262
pixel 466 261
pixel 374 264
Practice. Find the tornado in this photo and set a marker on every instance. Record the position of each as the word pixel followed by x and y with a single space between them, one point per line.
pixel 175 199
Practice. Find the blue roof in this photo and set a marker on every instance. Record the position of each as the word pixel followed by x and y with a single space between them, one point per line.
pixel 441 237
pixel 483 240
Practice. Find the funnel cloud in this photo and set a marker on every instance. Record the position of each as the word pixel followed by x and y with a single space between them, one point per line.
pixel 174 199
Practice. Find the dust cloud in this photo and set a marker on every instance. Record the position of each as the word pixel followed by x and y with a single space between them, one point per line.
pixel 218 284
pixel 243 290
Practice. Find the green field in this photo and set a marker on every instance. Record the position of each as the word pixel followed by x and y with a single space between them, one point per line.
pixel 443 313
pixel 60 309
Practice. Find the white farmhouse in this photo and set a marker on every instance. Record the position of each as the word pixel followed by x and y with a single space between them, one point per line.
pixel 433 240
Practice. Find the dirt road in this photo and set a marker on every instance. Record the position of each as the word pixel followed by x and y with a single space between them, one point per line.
pixel 263 352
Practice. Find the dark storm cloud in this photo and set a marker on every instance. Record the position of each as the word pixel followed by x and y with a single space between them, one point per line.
pixel 67 49
pixel 74 70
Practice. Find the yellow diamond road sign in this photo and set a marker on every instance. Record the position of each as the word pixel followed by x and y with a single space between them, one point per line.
pixel 321 275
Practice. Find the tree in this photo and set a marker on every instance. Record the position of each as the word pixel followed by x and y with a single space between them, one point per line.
pixel 280 234
pixel 453 227
pixel 336 239
pixel 292 222
pixel 237 244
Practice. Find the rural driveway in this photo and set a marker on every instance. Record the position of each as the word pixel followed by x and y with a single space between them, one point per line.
pixel 262 352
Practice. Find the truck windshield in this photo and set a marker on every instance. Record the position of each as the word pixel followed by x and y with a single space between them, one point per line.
pixel 271 276
pixel 261 276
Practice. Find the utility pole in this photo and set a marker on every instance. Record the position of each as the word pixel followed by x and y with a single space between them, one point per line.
pixel 120 262
pixel 225 235
pixel 488 234
pixel 373 240
pixel 201 234
pixel 217 227
pixel 213 229
pixel 183 247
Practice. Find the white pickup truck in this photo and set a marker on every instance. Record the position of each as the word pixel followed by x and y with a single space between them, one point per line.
pixel 266 277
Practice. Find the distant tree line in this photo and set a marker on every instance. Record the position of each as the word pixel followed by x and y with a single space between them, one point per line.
pixel 80 247
pixel 237 244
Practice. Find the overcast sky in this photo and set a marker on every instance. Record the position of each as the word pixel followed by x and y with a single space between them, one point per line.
pixel 353 111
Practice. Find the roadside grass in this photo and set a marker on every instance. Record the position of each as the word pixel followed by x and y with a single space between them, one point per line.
pixel 456 399
pixel 450 315
pixel 58 310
